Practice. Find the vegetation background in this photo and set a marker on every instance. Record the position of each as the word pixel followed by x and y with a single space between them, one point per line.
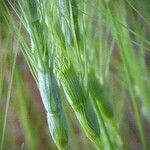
pixel 118 38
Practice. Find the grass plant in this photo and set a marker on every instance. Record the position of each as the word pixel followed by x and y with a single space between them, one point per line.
pixel 92 54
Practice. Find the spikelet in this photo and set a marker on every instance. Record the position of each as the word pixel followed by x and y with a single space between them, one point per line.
pixel 98 92
pixel 80 103
pixel 32 4
pixel 50 94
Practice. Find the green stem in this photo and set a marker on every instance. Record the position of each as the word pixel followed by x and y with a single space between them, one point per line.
pixel 7 103
pixel 101 120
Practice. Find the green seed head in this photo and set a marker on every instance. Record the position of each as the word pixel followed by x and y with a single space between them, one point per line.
pixel 32 4
pixel 98 92
pixel 88 120
pixel 80 103
pixel 58 129
pixel 50 94
pixel 49 90
pixel 72 85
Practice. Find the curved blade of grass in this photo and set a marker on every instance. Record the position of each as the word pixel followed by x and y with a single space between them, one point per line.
pixel 7 102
